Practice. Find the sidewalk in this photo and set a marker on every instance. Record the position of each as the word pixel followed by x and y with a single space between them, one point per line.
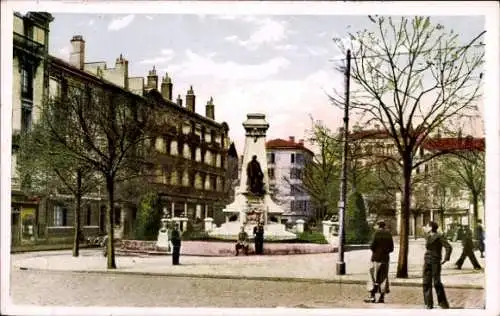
pixel 310 267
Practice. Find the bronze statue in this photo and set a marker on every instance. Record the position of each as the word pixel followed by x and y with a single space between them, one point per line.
pixel 255 177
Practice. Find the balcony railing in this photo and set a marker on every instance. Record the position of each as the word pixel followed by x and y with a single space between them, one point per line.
pixel 27 44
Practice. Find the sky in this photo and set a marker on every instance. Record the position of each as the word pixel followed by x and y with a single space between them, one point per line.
pixel 279 65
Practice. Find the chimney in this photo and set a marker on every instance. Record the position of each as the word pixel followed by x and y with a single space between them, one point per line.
pixel 292 139
pixel 377 127
pixel 210 109
pixel 152 79
pixel 77 56
pixel 301 142
pixel 179 100
pixel 190 100
pixel 166 87
pixel 122 63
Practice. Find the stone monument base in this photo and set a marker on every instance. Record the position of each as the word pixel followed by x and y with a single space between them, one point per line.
pixel 272 231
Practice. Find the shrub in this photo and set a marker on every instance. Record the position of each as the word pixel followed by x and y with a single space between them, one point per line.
pixel 311 237
pixel 357 228
pixel 148 217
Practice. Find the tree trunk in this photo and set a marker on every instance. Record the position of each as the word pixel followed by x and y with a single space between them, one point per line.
pixel 110 214
pixel 78 200
pixel 441 219
pixel 402 268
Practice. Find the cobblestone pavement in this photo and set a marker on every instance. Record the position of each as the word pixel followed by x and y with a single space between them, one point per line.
pixel 50 288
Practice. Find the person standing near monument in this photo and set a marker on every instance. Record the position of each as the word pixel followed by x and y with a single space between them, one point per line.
pixel 176 244
pixel 434 243
pixel 381 246
pixel 258 234
pixel 255 176
pixel 242 242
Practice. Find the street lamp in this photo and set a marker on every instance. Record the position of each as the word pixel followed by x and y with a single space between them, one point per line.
pixel 343 177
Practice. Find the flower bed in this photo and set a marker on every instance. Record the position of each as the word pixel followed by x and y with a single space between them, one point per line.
pixel 215 248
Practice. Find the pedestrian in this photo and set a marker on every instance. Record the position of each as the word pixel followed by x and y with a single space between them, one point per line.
pixel 434 243
pixel 467 251
pixel 480 237
pixel 381 246
pixel 176 244
pixel 242 242
pixel 258 234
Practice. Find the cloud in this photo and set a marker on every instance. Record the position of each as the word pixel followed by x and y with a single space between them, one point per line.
pixel 198 65
pixel 167 54
pixel 120 23
pixel 149 17
pixel 63 52
pixel 267 31
pixel 286 47
pixel 316 51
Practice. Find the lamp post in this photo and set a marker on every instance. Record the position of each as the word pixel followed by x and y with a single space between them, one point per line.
pixel 343 177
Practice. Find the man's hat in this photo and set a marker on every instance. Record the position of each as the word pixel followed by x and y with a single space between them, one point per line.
pixel 381 223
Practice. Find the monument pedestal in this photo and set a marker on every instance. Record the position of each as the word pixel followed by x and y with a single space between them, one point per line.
pixel 249 207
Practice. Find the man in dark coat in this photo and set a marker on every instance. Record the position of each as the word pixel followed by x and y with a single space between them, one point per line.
pixel 480 237
pixel 258 234
pixel 255 176
pixel 381 246
pixel 176 244
pixel 434 243
pixel 467 251
pixel 242 242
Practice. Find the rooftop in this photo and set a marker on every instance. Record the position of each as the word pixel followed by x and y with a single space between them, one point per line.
pixel 279 143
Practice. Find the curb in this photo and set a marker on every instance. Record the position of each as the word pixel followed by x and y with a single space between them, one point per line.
pixel 253 278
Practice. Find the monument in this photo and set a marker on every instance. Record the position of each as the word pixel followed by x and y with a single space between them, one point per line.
pixel 253 203
pixel 163 241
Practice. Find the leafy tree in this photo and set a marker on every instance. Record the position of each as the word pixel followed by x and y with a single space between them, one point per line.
pixel 112 127
pixel 45 168
pixel 410 77
pixel 357 228
pixel 148 217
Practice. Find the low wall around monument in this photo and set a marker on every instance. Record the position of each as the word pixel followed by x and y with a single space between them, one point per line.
pixel 220 249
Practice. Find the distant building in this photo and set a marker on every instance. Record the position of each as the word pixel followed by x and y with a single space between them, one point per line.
pixel 286 161
pixel 425 200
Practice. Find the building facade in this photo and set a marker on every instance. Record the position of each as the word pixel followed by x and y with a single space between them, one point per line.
pixel 30 51
pixel 428 202
pixel 188 152
pixel 286 161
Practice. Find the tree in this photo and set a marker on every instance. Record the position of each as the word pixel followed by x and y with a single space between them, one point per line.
pixel 466 170
pixel 45 168
pixel 357 229
pixel 410 77
pixel 112 128
pixel 321 175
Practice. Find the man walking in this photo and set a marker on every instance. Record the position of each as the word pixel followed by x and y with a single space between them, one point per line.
pixel 480 237
pixel 381 246
pixel 434 243
pixel 176 244
pixel 467 251
pixel 258 235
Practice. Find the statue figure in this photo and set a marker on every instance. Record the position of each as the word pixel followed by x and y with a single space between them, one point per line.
pixel 255 177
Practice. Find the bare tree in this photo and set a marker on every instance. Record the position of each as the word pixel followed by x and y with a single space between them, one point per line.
pixel 411 77
pixel 111 125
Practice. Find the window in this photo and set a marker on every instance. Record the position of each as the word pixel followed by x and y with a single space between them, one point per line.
pixel 270 172
pixel 118 213
pixel 88 219
pixel 299 158
pixel 295 173
pixel 271 158
pixel 27 82
pixel 160 145
pixel 173 148
pixel 60 216
pixel 26 116
pixel 292 206
pixel 173 178
pixel 28 29
pixel 292 158
pixel 207 182
pixel 198 183
pixel 294 190
pixel 186 152
pixel 185 178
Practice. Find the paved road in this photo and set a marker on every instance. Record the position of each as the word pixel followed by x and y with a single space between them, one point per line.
pixel 99 289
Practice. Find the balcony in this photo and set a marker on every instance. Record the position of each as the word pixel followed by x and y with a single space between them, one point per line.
pixel 28 45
